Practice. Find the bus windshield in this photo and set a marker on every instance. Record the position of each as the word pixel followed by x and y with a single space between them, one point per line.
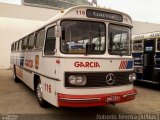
pixel 81 37
pixel 119 40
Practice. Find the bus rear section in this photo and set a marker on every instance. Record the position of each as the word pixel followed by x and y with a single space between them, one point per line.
pixel 146 56
pixel 80 58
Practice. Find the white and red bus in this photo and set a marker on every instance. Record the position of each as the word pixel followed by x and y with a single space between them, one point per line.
pixel 79 58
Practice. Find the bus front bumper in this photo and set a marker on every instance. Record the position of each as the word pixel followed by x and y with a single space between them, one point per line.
pixel 65 100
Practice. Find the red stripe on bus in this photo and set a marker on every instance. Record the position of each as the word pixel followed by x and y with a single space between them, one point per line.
pixel 66 100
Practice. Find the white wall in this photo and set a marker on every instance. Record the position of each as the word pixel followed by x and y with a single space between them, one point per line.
pixel 144 27
pixel 12 29
pixel 26 12
pixel 15 21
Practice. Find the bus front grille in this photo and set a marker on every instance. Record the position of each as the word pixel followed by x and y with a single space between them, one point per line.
pixel 99 79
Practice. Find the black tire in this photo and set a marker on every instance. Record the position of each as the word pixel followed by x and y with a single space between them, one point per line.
pixel 16 79
pixel 41 101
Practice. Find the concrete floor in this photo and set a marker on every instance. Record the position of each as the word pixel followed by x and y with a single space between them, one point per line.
pixel 19 99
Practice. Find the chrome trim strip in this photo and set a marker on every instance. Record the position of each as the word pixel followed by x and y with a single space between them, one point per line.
pixel 137 66
pixel 149 81
pixel 56 79
pixel 98 87
pixel 80 100
pixel 129 95
pixel 157 68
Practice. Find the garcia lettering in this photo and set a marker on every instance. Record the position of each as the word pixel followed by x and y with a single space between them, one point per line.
pixel 29 63
pixel 87 64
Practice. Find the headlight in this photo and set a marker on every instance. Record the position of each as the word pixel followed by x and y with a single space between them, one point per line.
pixel 132 77
pixel 77 80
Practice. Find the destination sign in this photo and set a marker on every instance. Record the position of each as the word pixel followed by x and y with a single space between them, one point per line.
pixel 104 15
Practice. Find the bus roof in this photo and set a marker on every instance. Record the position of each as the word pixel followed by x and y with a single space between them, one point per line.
pixel 95 13
pixel 146 35
pixel 70 13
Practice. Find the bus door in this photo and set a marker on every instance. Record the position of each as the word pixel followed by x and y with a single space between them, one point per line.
pixel 157 61
pixel 137 53
pixel 148 59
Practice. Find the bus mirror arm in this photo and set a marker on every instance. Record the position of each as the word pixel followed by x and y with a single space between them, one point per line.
pixel 58 31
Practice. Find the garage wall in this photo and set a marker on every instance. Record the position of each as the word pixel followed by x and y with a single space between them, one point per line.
pixel 12 29
pixel 17 20
pixel 144 27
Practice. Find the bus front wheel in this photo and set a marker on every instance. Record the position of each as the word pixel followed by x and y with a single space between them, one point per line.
pixel 39 94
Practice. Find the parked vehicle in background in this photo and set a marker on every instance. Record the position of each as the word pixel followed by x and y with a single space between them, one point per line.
pixel 146 53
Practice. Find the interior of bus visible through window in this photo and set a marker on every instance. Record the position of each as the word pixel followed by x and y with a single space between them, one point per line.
pixel 137 46
pixel 50 42
pixel 40 35
pixel 31 41
pixel 119 40
pixel 24 43
pixel 83 37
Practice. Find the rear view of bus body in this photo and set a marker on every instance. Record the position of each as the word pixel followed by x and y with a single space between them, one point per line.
pixel 79 58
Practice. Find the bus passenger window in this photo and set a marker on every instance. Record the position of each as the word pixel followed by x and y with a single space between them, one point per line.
pixel 50 42
pixel 24 43
pixel 12 47
pixel 137 46
pixel 31 41
pixel 15 45
pixel 20 44
pixel 158 44
pixel 40 35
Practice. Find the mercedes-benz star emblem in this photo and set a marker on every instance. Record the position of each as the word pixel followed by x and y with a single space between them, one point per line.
pixel 110 79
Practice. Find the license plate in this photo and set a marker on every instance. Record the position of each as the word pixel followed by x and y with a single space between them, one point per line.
pixel 113 99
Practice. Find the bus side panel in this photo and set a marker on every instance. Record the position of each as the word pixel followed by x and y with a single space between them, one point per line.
pixel 19 72
pixel 68 65
pixel 157 66
pixel 28 78
pixel 49 90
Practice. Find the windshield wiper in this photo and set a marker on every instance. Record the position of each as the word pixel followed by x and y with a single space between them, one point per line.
pixel 120 48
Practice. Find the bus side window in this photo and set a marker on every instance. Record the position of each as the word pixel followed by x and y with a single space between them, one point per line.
pixel 12 47
pixel 40 35
pixel 24 43
pixel 158 44
pixel 20 44
pixel 63 34
pixel 31 41
pixel 50 42
pixel 17 46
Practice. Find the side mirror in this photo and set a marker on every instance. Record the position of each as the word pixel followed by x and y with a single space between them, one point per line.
pixel 58 31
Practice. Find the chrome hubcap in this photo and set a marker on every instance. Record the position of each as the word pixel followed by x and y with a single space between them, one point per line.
pixel 39 92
